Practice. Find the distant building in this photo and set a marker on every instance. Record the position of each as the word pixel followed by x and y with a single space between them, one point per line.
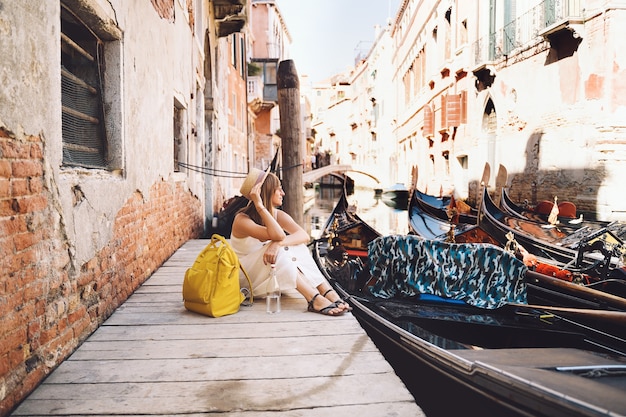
pixel 534 86
pixel 270 41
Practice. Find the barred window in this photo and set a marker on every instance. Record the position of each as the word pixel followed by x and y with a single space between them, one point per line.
pixel 84 136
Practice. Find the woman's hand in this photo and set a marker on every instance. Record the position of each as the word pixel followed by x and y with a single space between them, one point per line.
pixel 255 195
pixel 271 253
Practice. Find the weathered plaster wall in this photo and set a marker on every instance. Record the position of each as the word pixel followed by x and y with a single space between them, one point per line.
pixel 563 126
pixel 559 106
pixel 76 242
pixel 26 65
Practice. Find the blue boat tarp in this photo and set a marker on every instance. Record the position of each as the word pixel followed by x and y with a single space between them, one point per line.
pixel 480 274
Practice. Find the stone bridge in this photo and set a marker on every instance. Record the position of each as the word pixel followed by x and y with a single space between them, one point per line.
pixel 315 174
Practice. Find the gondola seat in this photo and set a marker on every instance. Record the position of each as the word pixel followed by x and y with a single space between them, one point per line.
pixel 567 209
pixel 544 207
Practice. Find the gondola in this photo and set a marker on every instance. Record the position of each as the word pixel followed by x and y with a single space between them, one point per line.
pixel 429 226
pixel 548 282
pixel 572 221
pixel 510 207
pixel 583 250
pixel 517 359
pixel 439 207
pixel 396 196
pixel 440 203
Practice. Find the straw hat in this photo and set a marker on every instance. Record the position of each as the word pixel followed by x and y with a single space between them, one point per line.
pixel 255 176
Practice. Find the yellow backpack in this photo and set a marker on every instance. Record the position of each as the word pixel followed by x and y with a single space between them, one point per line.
pixel 211 285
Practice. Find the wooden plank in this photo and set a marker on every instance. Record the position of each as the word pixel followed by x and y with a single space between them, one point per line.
pixel 380 409
pixel 288 363
pixel 226 348
pixel 153 357
pixel 232 330
pixel 149 312
pixel 172 398
pixel 370 410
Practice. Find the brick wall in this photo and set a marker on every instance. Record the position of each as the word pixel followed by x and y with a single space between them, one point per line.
pixel 565 184
pixel 165 9
pixel 48 306
pixel 262 150
pixel 262 139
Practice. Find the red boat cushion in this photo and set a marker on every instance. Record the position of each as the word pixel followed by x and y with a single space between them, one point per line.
pixel 357 252
pixel 544 207
pixel 567 209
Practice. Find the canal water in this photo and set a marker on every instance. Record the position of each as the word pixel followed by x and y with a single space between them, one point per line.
pixel 370 207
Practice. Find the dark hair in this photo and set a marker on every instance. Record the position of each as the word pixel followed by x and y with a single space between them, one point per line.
pixel 270 185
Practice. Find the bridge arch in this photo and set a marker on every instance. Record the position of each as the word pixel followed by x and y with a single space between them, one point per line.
pixel 315 174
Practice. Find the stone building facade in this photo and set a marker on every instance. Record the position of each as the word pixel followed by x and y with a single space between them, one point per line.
pixel 270 43
pixel 535 86
pixel 547 102
pixel 111 115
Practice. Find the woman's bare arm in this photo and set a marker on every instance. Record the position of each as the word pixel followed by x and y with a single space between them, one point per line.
pixel 296 234
pixel 244 226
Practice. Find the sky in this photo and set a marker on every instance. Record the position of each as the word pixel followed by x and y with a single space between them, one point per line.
pixel 328 34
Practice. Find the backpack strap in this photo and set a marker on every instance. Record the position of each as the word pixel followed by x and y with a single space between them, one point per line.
pixel 249 283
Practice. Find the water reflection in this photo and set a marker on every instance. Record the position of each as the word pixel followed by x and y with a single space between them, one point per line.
pixel 382 217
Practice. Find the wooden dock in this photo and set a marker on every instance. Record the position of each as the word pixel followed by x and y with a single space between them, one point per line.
pixel 152 357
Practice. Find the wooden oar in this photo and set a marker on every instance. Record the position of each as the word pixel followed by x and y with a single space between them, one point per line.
pixel 600 297
pixel 613 317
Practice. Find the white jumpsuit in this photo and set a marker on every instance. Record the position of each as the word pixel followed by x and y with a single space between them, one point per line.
pixel 288 260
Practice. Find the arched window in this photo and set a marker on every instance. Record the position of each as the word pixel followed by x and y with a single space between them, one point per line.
pixel 489 118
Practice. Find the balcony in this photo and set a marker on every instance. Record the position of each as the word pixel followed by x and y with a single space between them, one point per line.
pixel 547 18
pixel 256 95
pixel 230 16
pixel 570 19
pixel 267 68
pixel 255 88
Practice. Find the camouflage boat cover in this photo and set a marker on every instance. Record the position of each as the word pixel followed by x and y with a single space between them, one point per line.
pixel 480 274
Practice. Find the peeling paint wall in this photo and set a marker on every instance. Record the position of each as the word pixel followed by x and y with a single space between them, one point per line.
pixel 76 242
pixel 547 102
pixel 561 131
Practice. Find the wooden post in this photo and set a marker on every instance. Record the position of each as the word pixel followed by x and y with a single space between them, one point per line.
pixel 290 134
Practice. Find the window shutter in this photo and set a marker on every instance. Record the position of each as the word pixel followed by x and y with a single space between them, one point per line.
pixel 443 122
pixel 429 122
pixel 82 115
pixel 464 107
pixel 453 103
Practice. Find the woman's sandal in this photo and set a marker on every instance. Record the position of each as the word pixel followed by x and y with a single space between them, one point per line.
pixel 326 310
pixel 339 302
